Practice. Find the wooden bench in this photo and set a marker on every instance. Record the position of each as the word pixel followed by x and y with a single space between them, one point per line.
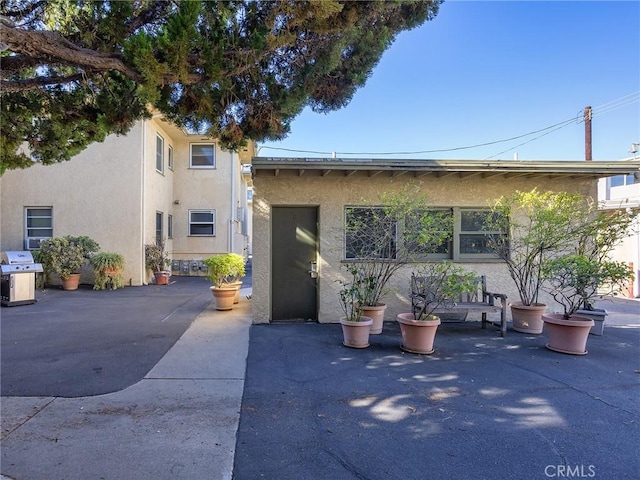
pixel 478 300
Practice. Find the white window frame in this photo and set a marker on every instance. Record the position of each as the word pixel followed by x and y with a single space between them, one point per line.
pixel 192 223
pixel 159 153
pixel 32 242
pixel 622 180
pixel 159 227
pixel 203 144
pixel 170 157
pixel 169 226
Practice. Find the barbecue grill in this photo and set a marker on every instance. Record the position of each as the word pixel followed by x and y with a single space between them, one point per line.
pixel 18 278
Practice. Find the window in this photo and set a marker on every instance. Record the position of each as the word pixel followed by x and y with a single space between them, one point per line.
pixel 169 226
pixel 159 154
pixel 473 230
pixel 437 241
pixel 159 221
pixel 202 222
pixel 369 233
pixel 203 156
pixel 38 225
pixel 170 158
pixel 621 180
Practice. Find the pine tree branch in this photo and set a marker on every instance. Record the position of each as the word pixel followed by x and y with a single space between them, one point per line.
pixel 56 48
pixel 12 86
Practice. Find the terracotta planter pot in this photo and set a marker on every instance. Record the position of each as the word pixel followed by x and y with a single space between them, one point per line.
pixel 356 334
pixel 162 278
pixel 417 335
pixel 567 335
pixel 377 314
pixel 71 282
pixel 528 318
pixel 236 285
pixel 224 297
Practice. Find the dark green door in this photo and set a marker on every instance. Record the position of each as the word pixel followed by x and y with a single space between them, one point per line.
pixel 294 246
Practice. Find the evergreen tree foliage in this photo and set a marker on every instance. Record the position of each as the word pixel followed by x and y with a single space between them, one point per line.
pixel 74 71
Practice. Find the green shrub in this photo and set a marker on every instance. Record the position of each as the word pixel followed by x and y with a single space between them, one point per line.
pixel 225 268
pixel 107 268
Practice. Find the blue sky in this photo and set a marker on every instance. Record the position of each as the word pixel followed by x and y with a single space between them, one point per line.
pixel 483 72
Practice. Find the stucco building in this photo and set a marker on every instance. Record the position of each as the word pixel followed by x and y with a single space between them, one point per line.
pixel 155 184
pixel 623 191
pixel 300 207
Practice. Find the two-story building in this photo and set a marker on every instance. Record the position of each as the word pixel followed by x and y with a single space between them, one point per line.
pixel 156 184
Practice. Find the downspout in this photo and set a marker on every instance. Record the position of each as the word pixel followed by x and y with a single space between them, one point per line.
pixel 143 266
pixel 232 203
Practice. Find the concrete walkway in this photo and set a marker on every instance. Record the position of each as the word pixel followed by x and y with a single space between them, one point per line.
pixel 180 421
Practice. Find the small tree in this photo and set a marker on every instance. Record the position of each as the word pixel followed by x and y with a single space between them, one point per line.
pixel 378 250
pixel 574 280
pixel 531 229
pixel 353 293
pixel 155 257
pixel 441 283
pixel 586 272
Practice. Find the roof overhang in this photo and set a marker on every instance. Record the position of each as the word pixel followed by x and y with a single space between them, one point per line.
pixel 322 167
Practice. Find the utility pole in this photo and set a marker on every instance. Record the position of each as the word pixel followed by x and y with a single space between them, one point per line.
pixel 587 134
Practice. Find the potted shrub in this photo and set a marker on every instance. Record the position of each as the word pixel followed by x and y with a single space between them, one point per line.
pixel 577 279
pixel 62 256
pixel 380 254
pixel 442 283
pixel 87 244
pixel 531 228
pixel 355 326
pixel 598 240
pixel 107 268
pixel 222 271
pixel 156 259
pixel 574 280
pixel 65 256
pixel 237 269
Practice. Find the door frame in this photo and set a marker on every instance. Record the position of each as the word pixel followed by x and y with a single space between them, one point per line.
pixel 316 208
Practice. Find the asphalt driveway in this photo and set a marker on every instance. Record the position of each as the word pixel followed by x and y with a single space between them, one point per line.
pixel 86 342
pixel 480 407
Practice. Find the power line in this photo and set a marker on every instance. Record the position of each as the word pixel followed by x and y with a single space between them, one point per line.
pixel 596 111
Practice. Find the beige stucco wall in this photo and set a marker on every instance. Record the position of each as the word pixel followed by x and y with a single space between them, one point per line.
pixel 95 194
pixel 221 189
pixel 111 192
pixel 333 192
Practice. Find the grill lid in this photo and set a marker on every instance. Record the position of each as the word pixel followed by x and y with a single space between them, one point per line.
pixel 28 268
pixel 16 258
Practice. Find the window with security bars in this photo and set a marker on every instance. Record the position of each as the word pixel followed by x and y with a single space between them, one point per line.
pixel 444 233
pixel 369 233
